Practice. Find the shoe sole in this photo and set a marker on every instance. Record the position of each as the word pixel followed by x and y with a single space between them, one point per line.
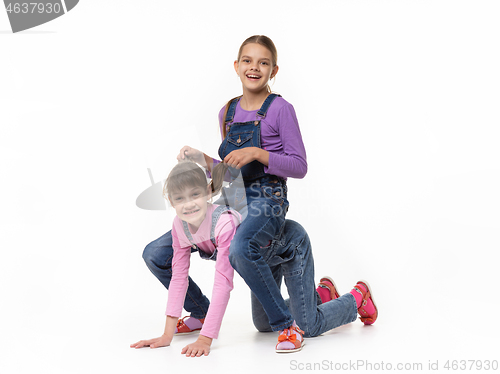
pixel 291 350
pixel 187 333
pixel 334 285
pixel 371 295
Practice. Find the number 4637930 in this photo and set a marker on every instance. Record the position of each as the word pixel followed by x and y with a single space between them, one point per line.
pixel 471 365
pixel 34 8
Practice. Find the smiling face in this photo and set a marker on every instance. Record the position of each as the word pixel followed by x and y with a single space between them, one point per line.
pixel 190 204
pixel 255 68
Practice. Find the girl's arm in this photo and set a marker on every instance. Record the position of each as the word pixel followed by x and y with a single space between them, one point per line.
pixel 176 293
pixel 289 160
pixel 223 284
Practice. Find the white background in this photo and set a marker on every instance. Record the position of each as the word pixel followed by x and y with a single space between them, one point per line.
pixel 398 107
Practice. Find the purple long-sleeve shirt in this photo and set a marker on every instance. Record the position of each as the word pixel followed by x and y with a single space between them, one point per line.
pixel 280 136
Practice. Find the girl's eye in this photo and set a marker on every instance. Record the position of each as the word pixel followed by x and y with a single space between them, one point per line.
pixel 265 63
pixel 246 60
pixel 196 194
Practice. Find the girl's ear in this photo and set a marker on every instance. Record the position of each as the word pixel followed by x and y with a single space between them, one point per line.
pixel 236 66
pixel 209 191
pixel 274 72
pixel 170 201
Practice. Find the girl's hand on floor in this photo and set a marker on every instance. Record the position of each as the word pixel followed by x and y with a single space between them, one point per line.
pixel 162 341
pixel 191 153
pixel 198 348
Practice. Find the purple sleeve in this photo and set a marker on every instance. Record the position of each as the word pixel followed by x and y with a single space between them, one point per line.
pixel 293 162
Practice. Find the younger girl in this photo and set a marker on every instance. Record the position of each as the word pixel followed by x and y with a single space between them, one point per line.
pixel 206 228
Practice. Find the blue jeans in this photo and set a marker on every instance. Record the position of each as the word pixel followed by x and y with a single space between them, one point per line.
pixel 290 257
pixel 158 257
pixel 249 251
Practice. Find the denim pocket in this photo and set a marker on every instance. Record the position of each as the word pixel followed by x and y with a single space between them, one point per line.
pixel 276 193
pixel 241 138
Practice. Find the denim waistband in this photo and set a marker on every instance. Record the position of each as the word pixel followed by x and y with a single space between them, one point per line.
pixel 266 179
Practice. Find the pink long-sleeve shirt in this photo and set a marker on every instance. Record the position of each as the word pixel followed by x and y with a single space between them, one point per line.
pixel 223 281
pixel 280 136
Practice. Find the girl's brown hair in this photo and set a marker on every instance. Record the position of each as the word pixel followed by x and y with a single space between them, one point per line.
pixel 265 42
pixel 188 174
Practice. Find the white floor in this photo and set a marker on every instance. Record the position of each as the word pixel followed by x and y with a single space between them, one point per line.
pixel 420 323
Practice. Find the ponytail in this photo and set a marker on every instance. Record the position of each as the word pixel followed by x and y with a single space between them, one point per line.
pixel 218 173
pixel 223 124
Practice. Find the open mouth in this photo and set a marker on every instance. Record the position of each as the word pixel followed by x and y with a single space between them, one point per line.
pixel 252 77
pixel 191 212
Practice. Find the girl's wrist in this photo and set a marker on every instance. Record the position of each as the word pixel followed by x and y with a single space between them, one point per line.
pixel 205 339
pixel 208 161
pixel 262 156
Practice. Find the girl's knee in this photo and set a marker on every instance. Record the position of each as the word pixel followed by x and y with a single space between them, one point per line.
pixel 148 253
pixel 262 327
pixel 156 255
pixel 241 250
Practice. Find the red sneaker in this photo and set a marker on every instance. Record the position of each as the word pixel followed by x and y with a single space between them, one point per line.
pixel 183 329
pixel 368 310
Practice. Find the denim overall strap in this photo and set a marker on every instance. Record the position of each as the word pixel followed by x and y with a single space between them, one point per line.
pixel 266 104
pixel 231 110
pixel 215 218
pixel 262 111
pixel 188 235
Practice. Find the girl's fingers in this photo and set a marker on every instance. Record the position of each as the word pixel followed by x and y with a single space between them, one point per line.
pixel 182 152
pixel 139 344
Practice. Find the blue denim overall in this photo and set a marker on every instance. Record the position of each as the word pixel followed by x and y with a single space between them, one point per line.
pixel 251 252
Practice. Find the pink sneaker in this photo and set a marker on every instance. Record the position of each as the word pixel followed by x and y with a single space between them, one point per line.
pixel 290 340
pixel 367 310
pixel 327 289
